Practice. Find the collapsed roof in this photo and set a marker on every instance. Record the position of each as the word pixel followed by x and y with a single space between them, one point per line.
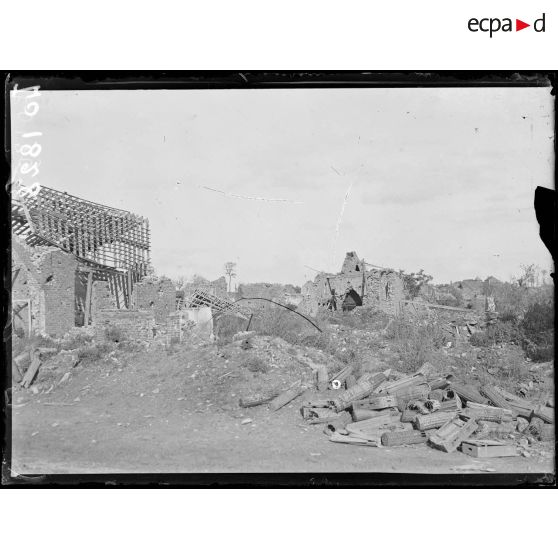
pixel 97 235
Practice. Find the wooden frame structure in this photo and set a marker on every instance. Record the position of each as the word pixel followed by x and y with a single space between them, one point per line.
pixel 17 307
pixel 94 233
pixel 110 244
pixel 219 305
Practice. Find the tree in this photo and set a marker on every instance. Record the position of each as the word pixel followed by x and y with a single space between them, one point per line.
pixel 414 281
pixel 529 276
pixel 230 272
pixel 180 281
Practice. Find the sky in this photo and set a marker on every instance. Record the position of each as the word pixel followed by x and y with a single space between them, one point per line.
pixel 284 182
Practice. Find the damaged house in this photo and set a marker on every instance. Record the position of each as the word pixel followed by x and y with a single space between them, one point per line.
pixel 75 261
pixel 358 284
pixel 80 263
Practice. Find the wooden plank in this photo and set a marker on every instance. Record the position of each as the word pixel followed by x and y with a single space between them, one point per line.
pixel 31 372
pixel 488 448
pixel 16 273
pixel 88 298
pixel 130 287
pixel 340 439
pixel 439 306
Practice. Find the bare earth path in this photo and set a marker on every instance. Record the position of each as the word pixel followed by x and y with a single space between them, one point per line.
pixel 153 412
pixel 87 438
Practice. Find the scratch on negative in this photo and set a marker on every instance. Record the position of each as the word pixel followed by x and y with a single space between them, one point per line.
pixel 340 219
pixel 230 194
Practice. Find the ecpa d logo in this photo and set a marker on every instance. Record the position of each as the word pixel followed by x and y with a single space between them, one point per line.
pixel 493 25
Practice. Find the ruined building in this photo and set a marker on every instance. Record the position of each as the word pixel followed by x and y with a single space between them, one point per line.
pixel 73 259
pixel 358 284
pixel 79 263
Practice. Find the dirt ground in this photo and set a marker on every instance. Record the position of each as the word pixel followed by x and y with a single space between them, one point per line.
pixel 178 412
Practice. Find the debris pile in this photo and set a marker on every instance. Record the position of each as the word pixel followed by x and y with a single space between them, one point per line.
pixel 389 409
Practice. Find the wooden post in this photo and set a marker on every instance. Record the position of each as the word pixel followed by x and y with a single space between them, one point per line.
pixel 114 282
pixel 129 289
pixel 88 298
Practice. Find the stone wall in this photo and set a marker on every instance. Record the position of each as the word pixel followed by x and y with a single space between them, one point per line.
pixel 46 279
pixel 352 263
pixel 133 324
pixel 101 299
pixel 157 295
pixel 217 287
pixel 381 289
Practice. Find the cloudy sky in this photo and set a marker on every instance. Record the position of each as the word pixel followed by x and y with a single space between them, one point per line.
pixel 438 179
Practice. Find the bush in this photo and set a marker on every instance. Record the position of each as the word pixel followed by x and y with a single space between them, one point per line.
pixel 480 339
pixel 510 300
pixel 316 340
pixel 171 347
pixel 256 364
pixel 226 326
pixel 415 342
pixel 499 332
pixel 76 338
pixel 93 352
pixel 115 334
pixel 539 318
pixel 537 327
pixel 539 353
pixel 279 322
pixel 25 343
pixel 512 366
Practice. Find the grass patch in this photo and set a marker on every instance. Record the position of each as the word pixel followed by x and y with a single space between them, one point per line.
pixel 255 364
pixel 94 352
pixel 30 343
pixel 114 334
pixel 415 342
pixel 226 327
pixel 279 322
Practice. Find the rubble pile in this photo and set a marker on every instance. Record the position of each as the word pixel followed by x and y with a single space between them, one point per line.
pixel 388 409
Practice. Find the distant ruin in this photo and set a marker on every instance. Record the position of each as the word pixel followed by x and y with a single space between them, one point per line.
pixel 358 284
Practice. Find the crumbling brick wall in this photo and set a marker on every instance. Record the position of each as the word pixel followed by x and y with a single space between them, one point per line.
pixel 157 295
pixel 133 324
pixel 378 288
pixel 101 299
pixel 46 278
pixel 384 290
pixel 217 287
pixel 352 263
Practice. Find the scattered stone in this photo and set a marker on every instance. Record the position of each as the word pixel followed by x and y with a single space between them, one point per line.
pixel 522 424
pixel 246 421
